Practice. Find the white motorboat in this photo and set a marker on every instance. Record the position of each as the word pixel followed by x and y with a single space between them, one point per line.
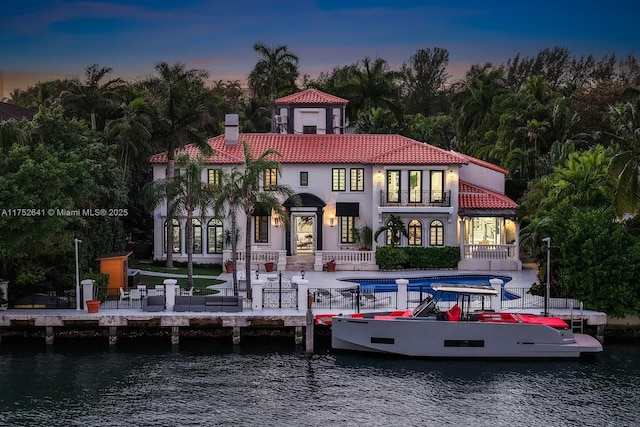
pixel 465 330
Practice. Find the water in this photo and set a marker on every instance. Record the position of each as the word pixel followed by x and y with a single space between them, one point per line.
pixel 214 384
pixel 423 284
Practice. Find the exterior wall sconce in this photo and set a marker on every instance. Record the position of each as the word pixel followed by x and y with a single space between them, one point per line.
pixel 332 221
pixel 302 273
pixel 257 275
pixel 378 178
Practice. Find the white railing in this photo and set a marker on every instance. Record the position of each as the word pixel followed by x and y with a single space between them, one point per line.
pixel 489 252
pixel 346 260
pixel 258 257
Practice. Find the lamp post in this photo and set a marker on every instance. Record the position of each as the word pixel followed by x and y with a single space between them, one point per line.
pixel 76 241
pixel 547 240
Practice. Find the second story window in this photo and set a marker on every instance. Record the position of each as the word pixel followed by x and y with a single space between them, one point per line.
pixel 304 179
pixel 338 179
pixel 357 179
pixel 270 179
pixel 437 186
pixel 213 177
pixel 393 186
pixel 415 186
pixel 309 129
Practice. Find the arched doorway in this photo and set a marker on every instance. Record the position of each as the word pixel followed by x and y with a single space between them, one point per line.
pixel 305 235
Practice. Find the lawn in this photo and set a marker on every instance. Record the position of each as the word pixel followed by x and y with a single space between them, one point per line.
pixel 151 280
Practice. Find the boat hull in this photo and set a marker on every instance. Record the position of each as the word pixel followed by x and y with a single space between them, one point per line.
pixel 427 337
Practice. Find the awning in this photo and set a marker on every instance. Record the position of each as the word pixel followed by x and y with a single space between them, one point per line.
pixel 348 209
pixel 261 210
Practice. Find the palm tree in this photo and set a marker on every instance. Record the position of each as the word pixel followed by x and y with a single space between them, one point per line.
pixel 241 192
pixel 372 84
pixel 187 194
pixel 179 100
pixel 275 74
pixel 395 227
pixel 132 131
pixel 91 96
pixel 625 166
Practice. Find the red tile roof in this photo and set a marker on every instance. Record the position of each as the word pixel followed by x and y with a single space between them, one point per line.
pixel 483 163
pixel 352 148
pixel 312 97
pixel 474 197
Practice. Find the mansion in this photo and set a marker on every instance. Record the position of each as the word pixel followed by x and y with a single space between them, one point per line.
pixel 348 181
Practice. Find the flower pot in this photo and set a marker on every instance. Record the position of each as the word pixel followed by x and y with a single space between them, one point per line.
pixel 92 306
pixel 331 266
pixel 310 301
pixel 268 266
pixel 229 268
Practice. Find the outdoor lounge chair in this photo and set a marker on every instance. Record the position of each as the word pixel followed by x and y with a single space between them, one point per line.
pixel 123 295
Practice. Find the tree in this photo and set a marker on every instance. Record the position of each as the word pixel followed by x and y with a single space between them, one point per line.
pixel 625 166
pixel 241 192
pixel 132 131
pixel 395 228
pixel 275 74
pixel 426 75
pixel 596 260
pixel 91 97
pixel 187 194
pixel 372 84
pixel 179 100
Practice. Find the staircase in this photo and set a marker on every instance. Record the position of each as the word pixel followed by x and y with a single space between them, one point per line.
pixel 300 262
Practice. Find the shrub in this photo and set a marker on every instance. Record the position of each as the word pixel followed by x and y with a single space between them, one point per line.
pixel 390 258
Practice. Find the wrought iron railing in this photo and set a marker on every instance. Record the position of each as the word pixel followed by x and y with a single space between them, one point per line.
pixel 415 198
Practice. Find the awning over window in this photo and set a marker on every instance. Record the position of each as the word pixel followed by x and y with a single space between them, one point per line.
pixel 348 209
pixel 261 210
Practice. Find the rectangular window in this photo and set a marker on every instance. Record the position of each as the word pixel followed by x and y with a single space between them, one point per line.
pixel 213 177
pixel 393 186
pixel 261 229
pixel 437 186
pixel 357 179
pixel 415 186
pixel 270 179
pixel 338 179
pixel 304 179
pixel 309 129
pixel 347 223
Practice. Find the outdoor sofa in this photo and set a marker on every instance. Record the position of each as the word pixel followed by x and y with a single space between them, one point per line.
pixel 153 303
pixel 224 303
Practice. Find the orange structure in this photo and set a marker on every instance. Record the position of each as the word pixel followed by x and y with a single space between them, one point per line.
pixel 116 265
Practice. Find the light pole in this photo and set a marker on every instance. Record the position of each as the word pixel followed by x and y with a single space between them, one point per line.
pixel 76 241
pixel 547 240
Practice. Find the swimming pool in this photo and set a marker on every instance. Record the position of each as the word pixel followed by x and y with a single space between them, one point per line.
pixel 423 284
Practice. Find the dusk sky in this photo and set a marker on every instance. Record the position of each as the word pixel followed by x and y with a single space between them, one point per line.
pixel 42 40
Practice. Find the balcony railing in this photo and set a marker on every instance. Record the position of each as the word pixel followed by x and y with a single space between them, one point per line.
pixel 489 252
pixel 415 198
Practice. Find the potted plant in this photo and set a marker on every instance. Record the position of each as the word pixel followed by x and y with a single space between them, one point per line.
pixel 331 265
pixel 268 266
pixel 363 236
pixel 99 291
pixel 228 266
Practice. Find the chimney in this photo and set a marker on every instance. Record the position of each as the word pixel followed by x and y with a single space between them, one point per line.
pixel 231 129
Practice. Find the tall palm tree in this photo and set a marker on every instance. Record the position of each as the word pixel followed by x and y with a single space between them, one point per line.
pixel 372 84
pixel 187 194
pixel 90 96
pixel 179 100
pixel 625 166
pixel 241 192
pixel 276 73
pixel 132 131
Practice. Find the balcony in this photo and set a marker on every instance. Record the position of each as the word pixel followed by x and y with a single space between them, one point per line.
pixel 416 198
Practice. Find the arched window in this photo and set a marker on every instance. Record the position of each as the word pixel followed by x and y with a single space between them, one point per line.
pixel 415 233
pixel 197 236
pixel 436 233
pixel 177 238
pixel 215 235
